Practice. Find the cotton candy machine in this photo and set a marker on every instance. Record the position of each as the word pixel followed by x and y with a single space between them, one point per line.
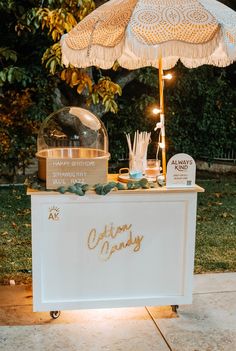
pixel 72 147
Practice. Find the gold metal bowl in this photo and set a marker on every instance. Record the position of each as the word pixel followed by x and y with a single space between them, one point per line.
pixel 65 153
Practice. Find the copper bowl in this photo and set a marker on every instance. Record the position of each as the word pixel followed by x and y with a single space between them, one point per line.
pixel 65 153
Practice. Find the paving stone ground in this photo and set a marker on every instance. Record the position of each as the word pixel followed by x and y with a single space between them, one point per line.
pixel 209 324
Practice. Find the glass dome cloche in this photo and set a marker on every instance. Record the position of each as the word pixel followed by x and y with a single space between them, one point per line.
pixel 71 133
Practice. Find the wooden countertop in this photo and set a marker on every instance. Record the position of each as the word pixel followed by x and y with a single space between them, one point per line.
pixel 114 177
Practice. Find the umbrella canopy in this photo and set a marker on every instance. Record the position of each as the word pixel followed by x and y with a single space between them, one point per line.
pixel 158 33
pixel 137 33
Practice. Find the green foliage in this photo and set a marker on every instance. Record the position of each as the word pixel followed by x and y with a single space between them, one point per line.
pixel 103 189
pixel 16 133
pixel 134 113
pixel 20 113
pixel 201 112
pixel 27 21
pixel 13 75
pixel 57 21
pixel 78 78
pixel 148 76
pixel 8 54
pixel 52 58
pixel 80 189
pixel 7 5
pixel 26 95
pixel 58 18
pixel 141 184
pixel 105 91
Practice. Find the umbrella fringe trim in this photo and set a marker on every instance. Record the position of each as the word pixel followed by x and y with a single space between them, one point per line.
pixel 105 57
pixel 95 56
pixel 219 62
pixel 174 48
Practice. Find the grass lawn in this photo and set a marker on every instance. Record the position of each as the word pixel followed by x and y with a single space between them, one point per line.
pixel 216 226
pixel 15 235
pixel 215 242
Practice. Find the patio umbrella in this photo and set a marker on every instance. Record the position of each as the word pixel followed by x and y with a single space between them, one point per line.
pixel 158 33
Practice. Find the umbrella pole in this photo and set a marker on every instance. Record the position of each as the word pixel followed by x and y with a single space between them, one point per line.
pixel 162 117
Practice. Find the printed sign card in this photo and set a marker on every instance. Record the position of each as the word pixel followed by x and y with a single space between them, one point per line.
pixel 65 172
pixel 181 172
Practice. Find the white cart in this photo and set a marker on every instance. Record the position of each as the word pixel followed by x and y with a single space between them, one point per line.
pixel 128 248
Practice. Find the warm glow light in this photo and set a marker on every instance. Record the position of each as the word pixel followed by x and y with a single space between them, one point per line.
pixel 156 110
pixel 107 314
pixel 168 76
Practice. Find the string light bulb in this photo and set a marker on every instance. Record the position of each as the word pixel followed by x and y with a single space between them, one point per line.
pixel 168 76
pixel 162 145
pixel 156 111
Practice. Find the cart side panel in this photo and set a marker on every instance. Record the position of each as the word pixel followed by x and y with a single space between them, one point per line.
pixel 113 251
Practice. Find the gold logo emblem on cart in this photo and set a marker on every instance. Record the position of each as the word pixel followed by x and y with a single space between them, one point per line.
pixel 113 239
pixel 53 213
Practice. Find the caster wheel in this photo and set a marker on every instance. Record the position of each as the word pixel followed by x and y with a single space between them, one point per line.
pixel 55 314
pixel 175 308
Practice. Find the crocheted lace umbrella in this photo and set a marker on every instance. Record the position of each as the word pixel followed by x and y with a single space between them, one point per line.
pixel 139 33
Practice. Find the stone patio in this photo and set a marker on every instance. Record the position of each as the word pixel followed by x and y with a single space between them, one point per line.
pixel 209 324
